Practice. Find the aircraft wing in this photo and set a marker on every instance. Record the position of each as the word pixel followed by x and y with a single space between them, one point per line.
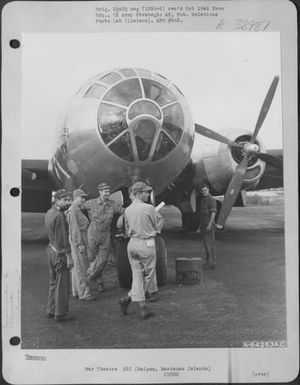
pixel 37 185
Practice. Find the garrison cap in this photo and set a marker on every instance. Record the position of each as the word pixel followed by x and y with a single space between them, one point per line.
pixel 103 186
pixel 79 193
pixel 62 193
pixel 140 187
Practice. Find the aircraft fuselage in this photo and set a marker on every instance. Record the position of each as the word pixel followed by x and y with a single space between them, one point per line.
pixel 123 126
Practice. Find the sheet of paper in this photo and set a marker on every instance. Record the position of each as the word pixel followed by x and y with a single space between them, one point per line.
pixel 158 207
pixel 240 323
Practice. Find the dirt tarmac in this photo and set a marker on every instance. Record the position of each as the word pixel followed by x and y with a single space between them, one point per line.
pixel 242 300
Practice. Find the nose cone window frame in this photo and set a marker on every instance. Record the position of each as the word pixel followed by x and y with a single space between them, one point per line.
pixel 139 117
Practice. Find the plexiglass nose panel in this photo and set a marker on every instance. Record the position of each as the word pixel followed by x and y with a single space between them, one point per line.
pixel 157 92
pixel 124 93
pixel 164 146
pixel 144 107
pixel 112 121
pixel 140 116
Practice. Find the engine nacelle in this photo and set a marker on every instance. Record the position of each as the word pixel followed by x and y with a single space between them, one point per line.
pixel 124 125
pixel 216 162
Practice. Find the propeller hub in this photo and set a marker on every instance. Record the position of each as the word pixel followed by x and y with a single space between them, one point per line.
pixel 250 148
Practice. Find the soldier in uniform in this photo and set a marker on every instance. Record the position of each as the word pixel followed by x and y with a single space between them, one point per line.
pixel 59 258
pixel 208 209
pixel 78 225
pixel 101 212
pixel 142 224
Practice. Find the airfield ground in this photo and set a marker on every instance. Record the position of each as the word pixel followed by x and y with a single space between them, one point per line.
pixel 242 300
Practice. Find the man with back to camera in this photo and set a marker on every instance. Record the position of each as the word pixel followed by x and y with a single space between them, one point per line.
pixel 101 212
pixel 59 257
pixel 208 209
pixel 78 225
pixel 142 223
pixel 153 289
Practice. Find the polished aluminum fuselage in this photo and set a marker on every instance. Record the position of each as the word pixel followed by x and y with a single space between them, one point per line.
pixel 81 157
pixel 132 124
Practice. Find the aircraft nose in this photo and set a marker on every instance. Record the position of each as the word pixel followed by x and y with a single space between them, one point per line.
pixel 142 116
pixel 143 122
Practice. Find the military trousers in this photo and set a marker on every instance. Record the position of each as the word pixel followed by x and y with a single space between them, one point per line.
pixel 99 250
pixel 59 288
pixel 79 273
pixel 142 259
pixel 209 242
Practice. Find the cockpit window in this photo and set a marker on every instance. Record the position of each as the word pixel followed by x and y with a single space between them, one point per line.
pixel 163 147
pixel 157 92
pixel 141 115
pixel 128 72
pixel 95 91
pixel 144 107
pixel 173 121
pixel 142 72
pixel 124 93
pixel 173 131
pixel 161 79
pixel 123 147
pixel 111 78
pixel 112 121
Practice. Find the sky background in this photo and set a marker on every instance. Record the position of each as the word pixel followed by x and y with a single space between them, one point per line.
pixel 224 77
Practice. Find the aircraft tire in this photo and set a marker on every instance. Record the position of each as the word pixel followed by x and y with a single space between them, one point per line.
pixel 190 221
pixel 161 260
pixel 123 265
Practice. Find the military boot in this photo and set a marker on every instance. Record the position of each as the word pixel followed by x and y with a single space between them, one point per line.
pixel 146 313
pixel 124 303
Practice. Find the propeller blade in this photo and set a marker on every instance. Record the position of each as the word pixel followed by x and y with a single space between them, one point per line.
pixel 232 192
pixel 215 136
pixel 270 159
pixel 265 107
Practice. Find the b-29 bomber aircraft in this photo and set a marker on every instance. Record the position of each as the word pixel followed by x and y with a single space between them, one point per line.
pixel 132 124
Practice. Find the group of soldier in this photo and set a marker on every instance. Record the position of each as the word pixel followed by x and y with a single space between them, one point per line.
pixel 79 233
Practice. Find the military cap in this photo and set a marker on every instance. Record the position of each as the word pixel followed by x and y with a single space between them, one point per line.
pixel 62 193
pixel 79 193
pixel 103 186
pixel 140 187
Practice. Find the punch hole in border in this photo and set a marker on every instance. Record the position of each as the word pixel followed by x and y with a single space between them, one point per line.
pixel 15 341
pixel 14 192
pixel 14 43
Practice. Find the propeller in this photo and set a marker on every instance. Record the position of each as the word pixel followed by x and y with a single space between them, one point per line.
pixel 214 135
pixel 265 107
pixel 232 192
pixel 270 159
pixel 249 148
